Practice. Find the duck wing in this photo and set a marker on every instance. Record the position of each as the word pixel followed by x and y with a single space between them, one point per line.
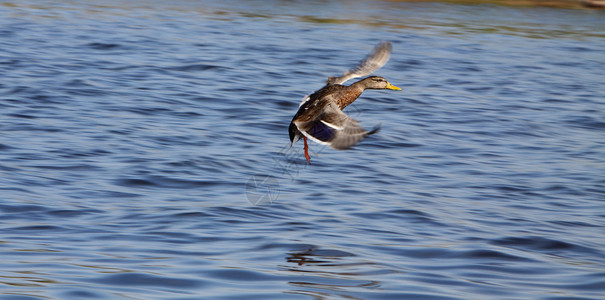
pixel 374 61
pixel 330 126
pixel 379 56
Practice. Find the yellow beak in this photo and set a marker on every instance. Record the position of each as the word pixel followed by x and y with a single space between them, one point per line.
pixel 392 87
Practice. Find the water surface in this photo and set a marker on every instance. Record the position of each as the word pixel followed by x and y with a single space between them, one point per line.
pixel 144 152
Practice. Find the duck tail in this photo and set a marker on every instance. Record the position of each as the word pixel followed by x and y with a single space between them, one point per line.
pixel 292 131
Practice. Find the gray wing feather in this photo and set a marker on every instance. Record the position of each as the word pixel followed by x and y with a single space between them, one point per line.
pixel 348 130
pixel 379 56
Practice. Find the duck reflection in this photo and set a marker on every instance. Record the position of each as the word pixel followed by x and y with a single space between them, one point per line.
pixel 329 273
pixel 303 257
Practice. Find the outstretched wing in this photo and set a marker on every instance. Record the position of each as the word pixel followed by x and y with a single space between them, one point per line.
pixel 379 56
pixel 374 61
pixel 333 127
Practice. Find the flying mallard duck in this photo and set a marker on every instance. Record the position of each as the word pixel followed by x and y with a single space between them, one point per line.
pixel 320 117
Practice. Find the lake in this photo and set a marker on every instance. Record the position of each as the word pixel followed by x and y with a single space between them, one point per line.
pixel 144 152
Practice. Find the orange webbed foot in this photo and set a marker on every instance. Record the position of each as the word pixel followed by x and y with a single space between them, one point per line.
pixel 307 150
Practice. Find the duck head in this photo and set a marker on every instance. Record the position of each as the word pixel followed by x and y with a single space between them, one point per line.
pixel 377 82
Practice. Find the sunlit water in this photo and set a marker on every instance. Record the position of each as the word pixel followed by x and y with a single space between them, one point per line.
pixel 144 152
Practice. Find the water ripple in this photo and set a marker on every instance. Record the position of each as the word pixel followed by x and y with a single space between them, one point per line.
pixel 134 139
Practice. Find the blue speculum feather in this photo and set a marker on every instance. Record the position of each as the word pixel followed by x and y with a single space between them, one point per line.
pixel 321 132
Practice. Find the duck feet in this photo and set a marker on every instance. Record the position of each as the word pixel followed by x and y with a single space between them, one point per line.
pixel 307 150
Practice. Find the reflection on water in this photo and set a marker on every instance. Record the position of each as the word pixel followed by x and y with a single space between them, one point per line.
pixel 348 274
pixel 144 152
pixel 301 258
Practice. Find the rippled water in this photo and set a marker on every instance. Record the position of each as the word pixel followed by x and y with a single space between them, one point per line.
pixel 144 152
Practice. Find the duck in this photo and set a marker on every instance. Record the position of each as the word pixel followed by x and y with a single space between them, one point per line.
pixel 320 116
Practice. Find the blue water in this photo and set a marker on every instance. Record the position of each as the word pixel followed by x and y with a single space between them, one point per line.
pixel 144 152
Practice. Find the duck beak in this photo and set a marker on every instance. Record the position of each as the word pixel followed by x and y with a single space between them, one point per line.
pixel 392 87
